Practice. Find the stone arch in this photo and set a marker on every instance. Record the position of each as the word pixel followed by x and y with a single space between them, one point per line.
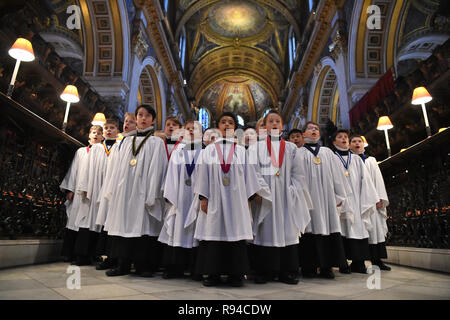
pixel 327 97
pixel 147 82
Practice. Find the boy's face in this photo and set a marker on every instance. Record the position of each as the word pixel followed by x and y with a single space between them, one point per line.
pixel 211 135
pixel 297 139
pixel 144 119
pixel 170 127
pixel 110 131
pixel 341 140
pixel 129 124
pixel 357 145
pixel 312 132
pixel 226 126
pixel 95 136
pixel 274 124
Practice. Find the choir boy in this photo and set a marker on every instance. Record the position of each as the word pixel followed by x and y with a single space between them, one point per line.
pixel 136 200
pixel 362 201
pixel 223 224
pixel 377 234
pixel 75 201
pixel 181 178
pixel 321 246
pixel 91 184
pixel 277 226
pixel 296 137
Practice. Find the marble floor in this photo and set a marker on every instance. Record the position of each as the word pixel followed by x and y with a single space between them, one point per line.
pixel 49 281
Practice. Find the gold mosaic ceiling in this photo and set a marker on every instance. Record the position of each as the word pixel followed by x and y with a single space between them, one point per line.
pixel 236 39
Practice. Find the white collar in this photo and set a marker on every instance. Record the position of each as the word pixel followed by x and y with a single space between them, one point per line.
pixel 130 133
pixel 144 130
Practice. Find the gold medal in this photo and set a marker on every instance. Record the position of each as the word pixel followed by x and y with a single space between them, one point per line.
pixel 278 173
pixel 317 160
pixel 133 162
pixel 188 182
pixel 347 174
pixel 225 181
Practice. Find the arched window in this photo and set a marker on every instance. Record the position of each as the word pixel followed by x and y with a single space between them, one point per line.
pixel 266 112
pixel 311 4
pixel 240 120
pixel 203 118
pixel 292 48
pixel 166 5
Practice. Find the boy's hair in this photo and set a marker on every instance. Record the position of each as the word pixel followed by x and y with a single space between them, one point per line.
pixel 96 127
pixel 355 136
pixel 228 114
pixel 174 119
pixel 148 108
pixel 294 131
pixel 130 114
pixel 195 123
pixel 308 123
pixel 113 122
pixel 333 137
pixel 249 127
pixel 272 111
pixel 259 122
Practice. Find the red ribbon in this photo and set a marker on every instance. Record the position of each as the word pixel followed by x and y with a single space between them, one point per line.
pixel 167 150
pixel 225 167
pixel 280 154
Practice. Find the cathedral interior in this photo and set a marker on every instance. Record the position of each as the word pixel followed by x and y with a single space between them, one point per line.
pixel 340 63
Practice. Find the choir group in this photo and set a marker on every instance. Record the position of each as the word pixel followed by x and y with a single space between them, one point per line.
pixel 223 207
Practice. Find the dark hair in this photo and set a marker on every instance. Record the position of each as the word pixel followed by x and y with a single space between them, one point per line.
pixel 355 136
pixel 294 131
pixel 272 111
pixel 174 119
pixel 333 137
pixel 310 122
pixel 112 121
pixel 228 114
pixel 148 108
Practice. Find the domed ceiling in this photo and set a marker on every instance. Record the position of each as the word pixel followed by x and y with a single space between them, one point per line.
pixel 237 52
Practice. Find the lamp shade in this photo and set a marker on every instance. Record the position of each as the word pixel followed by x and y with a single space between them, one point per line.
pixel 70 94
pixel 421 95
pixel 365 141
pixel 99 119
pixel 384 123
pixel 22 50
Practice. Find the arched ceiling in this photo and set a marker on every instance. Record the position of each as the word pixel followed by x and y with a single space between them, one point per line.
pixel 237 47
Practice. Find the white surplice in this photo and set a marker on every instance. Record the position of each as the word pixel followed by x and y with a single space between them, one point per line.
pixel 378 220
pixel 72 178
pixel 361 201
pixel 228 217
pixel 135 192
pixel 281 223
pixel 92 183
pixel 327 187
pixel 180 195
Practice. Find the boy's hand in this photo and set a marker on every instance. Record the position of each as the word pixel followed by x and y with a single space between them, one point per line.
pixel 257 199
pixel 69 196
pixel 380 204
pixel 204 205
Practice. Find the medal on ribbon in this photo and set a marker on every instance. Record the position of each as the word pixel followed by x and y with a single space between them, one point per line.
pixel 190 166
pixel 225 166
pixel 315 152
pixel 345 163
pixel 135 151
pixel 280 154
